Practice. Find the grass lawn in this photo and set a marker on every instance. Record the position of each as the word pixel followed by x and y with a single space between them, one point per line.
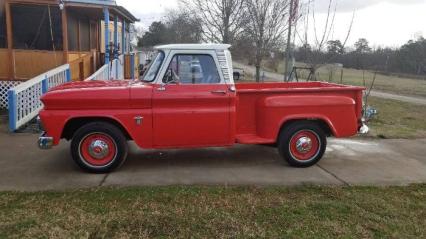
pixel 397 119
pixel 217 212
pixel 391 84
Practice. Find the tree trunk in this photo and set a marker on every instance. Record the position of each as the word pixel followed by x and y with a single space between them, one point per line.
pixel 257 73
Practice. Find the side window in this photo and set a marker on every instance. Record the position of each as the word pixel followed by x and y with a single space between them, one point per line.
pixel 192 69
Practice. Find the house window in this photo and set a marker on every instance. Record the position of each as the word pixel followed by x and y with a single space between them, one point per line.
pixel 3 37
pixel 37 27
pixel 192 69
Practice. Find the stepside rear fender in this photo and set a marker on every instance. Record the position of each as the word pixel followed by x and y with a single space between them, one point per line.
pixel 338 112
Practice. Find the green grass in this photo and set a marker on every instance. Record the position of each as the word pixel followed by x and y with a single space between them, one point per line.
pixel 217 212
pixel 397 119
pixel 386 83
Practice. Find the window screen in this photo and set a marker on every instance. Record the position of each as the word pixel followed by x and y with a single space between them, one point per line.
pixel 193 69
pixel 3 37
pixel 72 32
pixel 84 35
pixel 34 26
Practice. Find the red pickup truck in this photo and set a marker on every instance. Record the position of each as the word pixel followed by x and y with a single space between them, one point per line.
pixel 187 99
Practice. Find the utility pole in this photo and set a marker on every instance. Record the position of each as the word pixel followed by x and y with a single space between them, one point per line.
pixel 287 59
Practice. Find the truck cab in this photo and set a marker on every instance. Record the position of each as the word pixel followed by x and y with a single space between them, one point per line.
pixel 187 98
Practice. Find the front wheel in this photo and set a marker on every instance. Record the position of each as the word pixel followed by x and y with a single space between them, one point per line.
pixel 99 147
pixel 302 144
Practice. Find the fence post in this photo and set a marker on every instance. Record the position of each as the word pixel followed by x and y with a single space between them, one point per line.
pixel 12 109
pixel 132 66
pixel 68 75
pixel 44 85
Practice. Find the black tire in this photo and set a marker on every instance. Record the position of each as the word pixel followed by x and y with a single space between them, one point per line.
pixel 303 134
pixel 110 140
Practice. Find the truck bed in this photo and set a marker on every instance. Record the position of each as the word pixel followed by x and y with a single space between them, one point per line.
pixel 298 86
pixel 262 108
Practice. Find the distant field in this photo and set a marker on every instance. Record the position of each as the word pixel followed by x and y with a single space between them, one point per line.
pixel 397 119
pixel 391 84
pixel 217 212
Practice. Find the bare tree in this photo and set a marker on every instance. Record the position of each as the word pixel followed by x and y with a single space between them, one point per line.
pixel 266 25
pixel 222 20
pixel 321 37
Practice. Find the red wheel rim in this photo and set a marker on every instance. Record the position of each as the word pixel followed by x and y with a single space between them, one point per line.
pixel 304 145
pixel 98 149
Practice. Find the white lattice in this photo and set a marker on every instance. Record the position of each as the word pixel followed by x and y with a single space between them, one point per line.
pixel 28 101
pixel 4 87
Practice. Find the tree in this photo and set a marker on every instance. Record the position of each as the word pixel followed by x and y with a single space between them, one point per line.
pixel 362 46
pixel 178 27
pixel 335 47
pixel 321 36
pixel 222 20
pixel 412 56
pixel 266 25
pixel 183 27
pixel 157 34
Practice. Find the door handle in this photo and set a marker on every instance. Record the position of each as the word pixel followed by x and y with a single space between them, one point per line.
pixel 218 92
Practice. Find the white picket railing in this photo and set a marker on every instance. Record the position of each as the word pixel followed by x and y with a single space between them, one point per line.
pixel 24 99
pixel 101 74
pixel 112 71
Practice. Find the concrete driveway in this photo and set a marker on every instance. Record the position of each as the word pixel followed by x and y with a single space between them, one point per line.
pixel 23 167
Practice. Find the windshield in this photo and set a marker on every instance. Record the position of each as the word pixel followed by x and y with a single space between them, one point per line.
pixel 154 67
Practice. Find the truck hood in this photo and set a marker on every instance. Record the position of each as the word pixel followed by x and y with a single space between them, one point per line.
pixel 94 95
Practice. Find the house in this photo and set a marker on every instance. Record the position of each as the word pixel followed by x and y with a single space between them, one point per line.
pixel 39 35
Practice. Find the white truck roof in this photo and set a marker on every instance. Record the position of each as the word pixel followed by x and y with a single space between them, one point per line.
pixel 208 46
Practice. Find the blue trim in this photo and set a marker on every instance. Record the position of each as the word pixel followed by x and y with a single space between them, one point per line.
pixel 68 75
pixel 123 37
pixel 106 20
pixel 132 66
pixel 115 37
pixel 44 85
pixel 11 96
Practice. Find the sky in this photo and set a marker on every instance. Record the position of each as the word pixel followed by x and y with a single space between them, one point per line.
pixel 382 22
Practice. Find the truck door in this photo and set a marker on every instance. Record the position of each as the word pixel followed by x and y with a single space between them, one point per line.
pixel 193 108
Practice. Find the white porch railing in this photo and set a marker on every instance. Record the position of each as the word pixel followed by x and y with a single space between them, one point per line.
pixel 101 74
pixel 112 71
pixel 24 99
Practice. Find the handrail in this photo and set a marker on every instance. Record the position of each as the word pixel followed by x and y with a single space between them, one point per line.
pixel 113 70
pixel 24 99
pixel 100 74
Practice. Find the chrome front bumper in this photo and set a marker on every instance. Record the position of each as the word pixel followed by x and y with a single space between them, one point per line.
pixel 45 142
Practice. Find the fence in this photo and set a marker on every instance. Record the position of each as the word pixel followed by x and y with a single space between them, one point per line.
pixel 101 74
pixel 4 88
pixel 24 99
pixel 114 70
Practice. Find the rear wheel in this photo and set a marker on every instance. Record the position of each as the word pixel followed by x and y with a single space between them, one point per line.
pixel 99 147
pixel 302 144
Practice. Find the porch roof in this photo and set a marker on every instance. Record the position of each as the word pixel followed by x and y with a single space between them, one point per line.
pixel 111 4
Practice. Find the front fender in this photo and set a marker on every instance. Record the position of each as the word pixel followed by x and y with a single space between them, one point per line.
pixel 54 122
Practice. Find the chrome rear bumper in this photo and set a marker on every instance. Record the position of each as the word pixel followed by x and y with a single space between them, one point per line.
pixel 364 129
pixel 45 142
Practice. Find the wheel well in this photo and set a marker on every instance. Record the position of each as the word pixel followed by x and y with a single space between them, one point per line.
pixel 321 123
pixel 74 124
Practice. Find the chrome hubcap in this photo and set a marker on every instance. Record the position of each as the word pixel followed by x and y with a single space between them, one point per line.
pixel 304 145
pixel 98 149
